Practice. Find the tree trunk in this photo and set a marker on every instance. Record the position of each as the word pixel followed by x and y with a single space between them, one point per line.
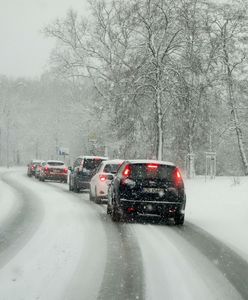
pixel 234 110
pixel 159 126
pixel 236 121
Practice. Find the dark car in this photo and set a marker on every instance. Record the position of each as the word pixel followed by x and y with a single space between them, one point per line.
pixel 54 170
pixel 148 188
pixel 83 169
pixel 31 167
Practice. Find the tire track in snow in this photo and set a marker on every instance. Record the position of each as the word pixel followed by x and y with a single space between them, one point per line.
pixel 123 274
pixel 176 269
pixel 233 266
pixel 123 277
pixel 22 223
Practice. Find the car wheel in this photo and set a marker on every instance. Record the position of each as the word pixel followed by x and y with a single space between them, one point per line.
pixel 179 219
pixel 115 214
pixel 91 196
pixel 75 188
pixel 97 199
pixel 109 210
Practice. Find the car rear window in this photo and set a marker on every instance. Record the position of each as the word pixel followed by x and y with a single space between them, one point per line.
pixel 152 171
pixel 111 168
pixel 55 163
pixel 91 163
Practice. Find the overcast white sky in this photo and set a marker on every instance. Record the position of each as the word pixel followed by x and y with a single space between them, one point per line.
pixel 24 51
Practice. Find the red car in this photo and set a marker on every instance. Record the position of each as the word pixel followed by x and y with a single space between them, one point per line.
pixel 54 170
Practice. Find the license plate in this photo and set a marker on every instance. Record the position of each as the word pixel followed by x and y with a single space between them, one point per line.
pixel 153 190
pixel 55 171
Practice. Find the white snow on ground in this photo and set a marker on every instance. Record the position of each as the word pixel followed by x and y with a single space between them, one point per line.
pixel 8 201
pixel 64 240
pixel 220 206
pixel 176 270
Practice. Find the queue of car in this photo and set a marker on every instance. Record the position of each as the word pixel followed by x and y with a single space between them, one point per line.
pixel 54 170
pixel 129 187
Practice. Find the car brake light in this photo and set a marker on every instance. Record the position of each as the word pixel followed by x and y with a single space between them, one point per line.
pixel 127 171
pixel 32 167
pixel 177 178
pixel 65 170
pixel 103 177
pixel 152 166
pixel 46 169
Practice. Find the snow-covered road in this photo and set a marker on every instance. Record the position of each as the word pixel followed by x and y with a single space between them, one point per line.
pixel 55 244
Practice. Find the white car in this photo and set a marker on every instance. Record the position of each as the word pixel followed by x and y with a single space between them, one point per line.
pixel 104 174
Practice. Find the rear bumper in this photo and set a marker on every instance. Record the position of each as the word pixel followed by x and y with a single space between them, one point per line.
pixel 102 190
pixel 83 184
pixel 164 208
pixel 56 176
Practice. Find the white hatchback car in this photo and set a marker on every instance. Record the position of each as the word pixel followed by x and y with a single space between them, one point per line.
pixel 104 174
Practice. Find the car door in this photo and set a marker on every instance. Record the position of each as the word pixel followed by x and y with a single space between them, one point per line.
pixel 74 171
pixel 94 179
pixel 115 184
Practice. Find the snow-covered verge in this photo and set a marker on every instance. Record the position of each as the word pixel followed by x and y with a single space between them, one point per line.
pixel 8 202
pixel 50 262
pixel 220 206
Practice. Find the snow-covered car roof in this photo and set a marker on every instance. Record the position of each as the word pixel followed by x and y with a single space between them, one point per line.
pixel 93 157
pixel 113 161
pixel 55 161
pixel 150 161
pixel 36 161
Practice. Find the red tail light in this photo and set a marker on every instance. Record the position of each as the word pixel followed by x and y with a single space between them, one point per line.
pixel 152 166
pixel 32 167
pixel 46 169
pixel 177 178
pixel 127 171
pixel 103 177
pixel 65 170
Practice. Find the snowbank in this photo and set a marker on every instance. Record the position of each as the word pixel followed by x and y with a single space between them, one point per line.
pixel 220 206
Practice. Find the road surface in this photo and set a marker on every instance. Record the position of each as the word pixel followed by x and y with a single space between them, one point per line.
pixel 56 244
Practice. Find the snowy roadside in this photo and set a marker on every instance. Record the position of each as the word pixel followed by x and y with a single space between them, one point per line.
pixel 220 207
pixel 8 202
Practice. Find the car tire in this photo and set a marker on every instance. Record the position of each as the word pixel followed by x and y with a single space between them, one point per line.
pixel 97 200
pixel 109 210
pixel 179 219
pixel 115 215
pixel 75 188
pixel 91 196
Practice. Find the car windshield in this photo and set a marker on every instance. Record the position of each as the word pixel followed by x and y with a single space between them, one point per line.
pixel 91 163
pixel 55 163
pixel 111 168
pixel 152 171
